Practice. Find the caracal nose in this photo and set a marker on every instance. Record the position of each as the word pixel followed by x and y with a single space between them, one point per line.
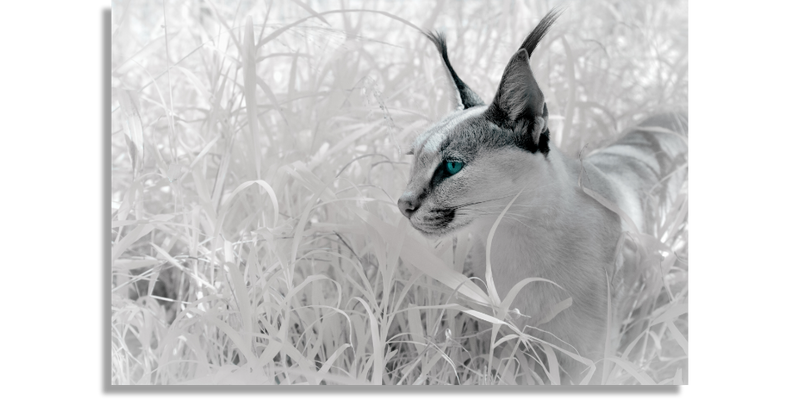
pixel 407 204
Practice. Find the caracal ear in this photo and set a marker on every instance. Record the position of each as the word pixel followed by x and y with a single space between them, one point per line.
pixel 463 96
pixel 519 102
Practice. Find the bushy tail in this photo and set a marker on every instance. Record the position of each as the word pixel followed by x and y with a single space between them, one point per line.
pixel 670 139
pixel 649 165
pixel 651 162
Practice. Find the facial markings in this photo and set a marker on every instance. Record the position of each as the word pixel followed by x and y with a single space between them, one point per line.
pixel 430 141
pixel 461 137
pixel 457 137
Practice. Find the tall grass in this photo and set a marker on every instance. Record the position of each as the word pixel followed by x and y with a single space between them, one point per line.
pixel 257 154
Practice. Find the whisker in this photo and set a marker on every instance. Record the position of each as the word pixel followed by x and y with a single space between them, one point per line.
pixel 537 188
pixel 512 216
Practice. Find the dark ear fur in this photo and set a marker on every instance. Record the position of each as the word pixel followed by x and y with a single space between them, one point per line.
pixel 519 103
pixel 467 97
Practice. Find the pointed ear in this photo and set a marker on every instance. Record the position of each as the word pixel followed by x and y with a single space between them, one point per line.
pixel 464 97
pixel 519 102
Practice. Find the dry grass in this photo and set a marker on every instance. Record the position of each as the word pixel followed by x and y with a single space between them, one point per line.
pixel 257 154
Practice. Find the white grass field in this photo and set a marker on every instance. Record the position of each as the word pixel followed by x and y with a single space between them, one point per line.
pixel 258 151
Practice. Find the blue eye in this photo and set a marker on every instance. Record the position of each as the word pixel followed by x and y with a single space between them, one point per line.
pixel 453 166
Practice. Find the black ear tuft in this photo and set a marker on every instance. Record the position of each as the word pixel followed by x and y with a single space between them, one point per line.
pixel 530 42
pixel 466 97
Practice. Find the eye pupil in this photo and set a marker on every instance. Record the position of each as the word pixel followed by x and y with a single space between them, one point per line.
pixel 454 167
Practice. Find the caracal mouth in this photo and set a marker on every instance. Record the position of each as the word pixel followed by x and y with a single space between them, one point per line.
pixel 432 231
